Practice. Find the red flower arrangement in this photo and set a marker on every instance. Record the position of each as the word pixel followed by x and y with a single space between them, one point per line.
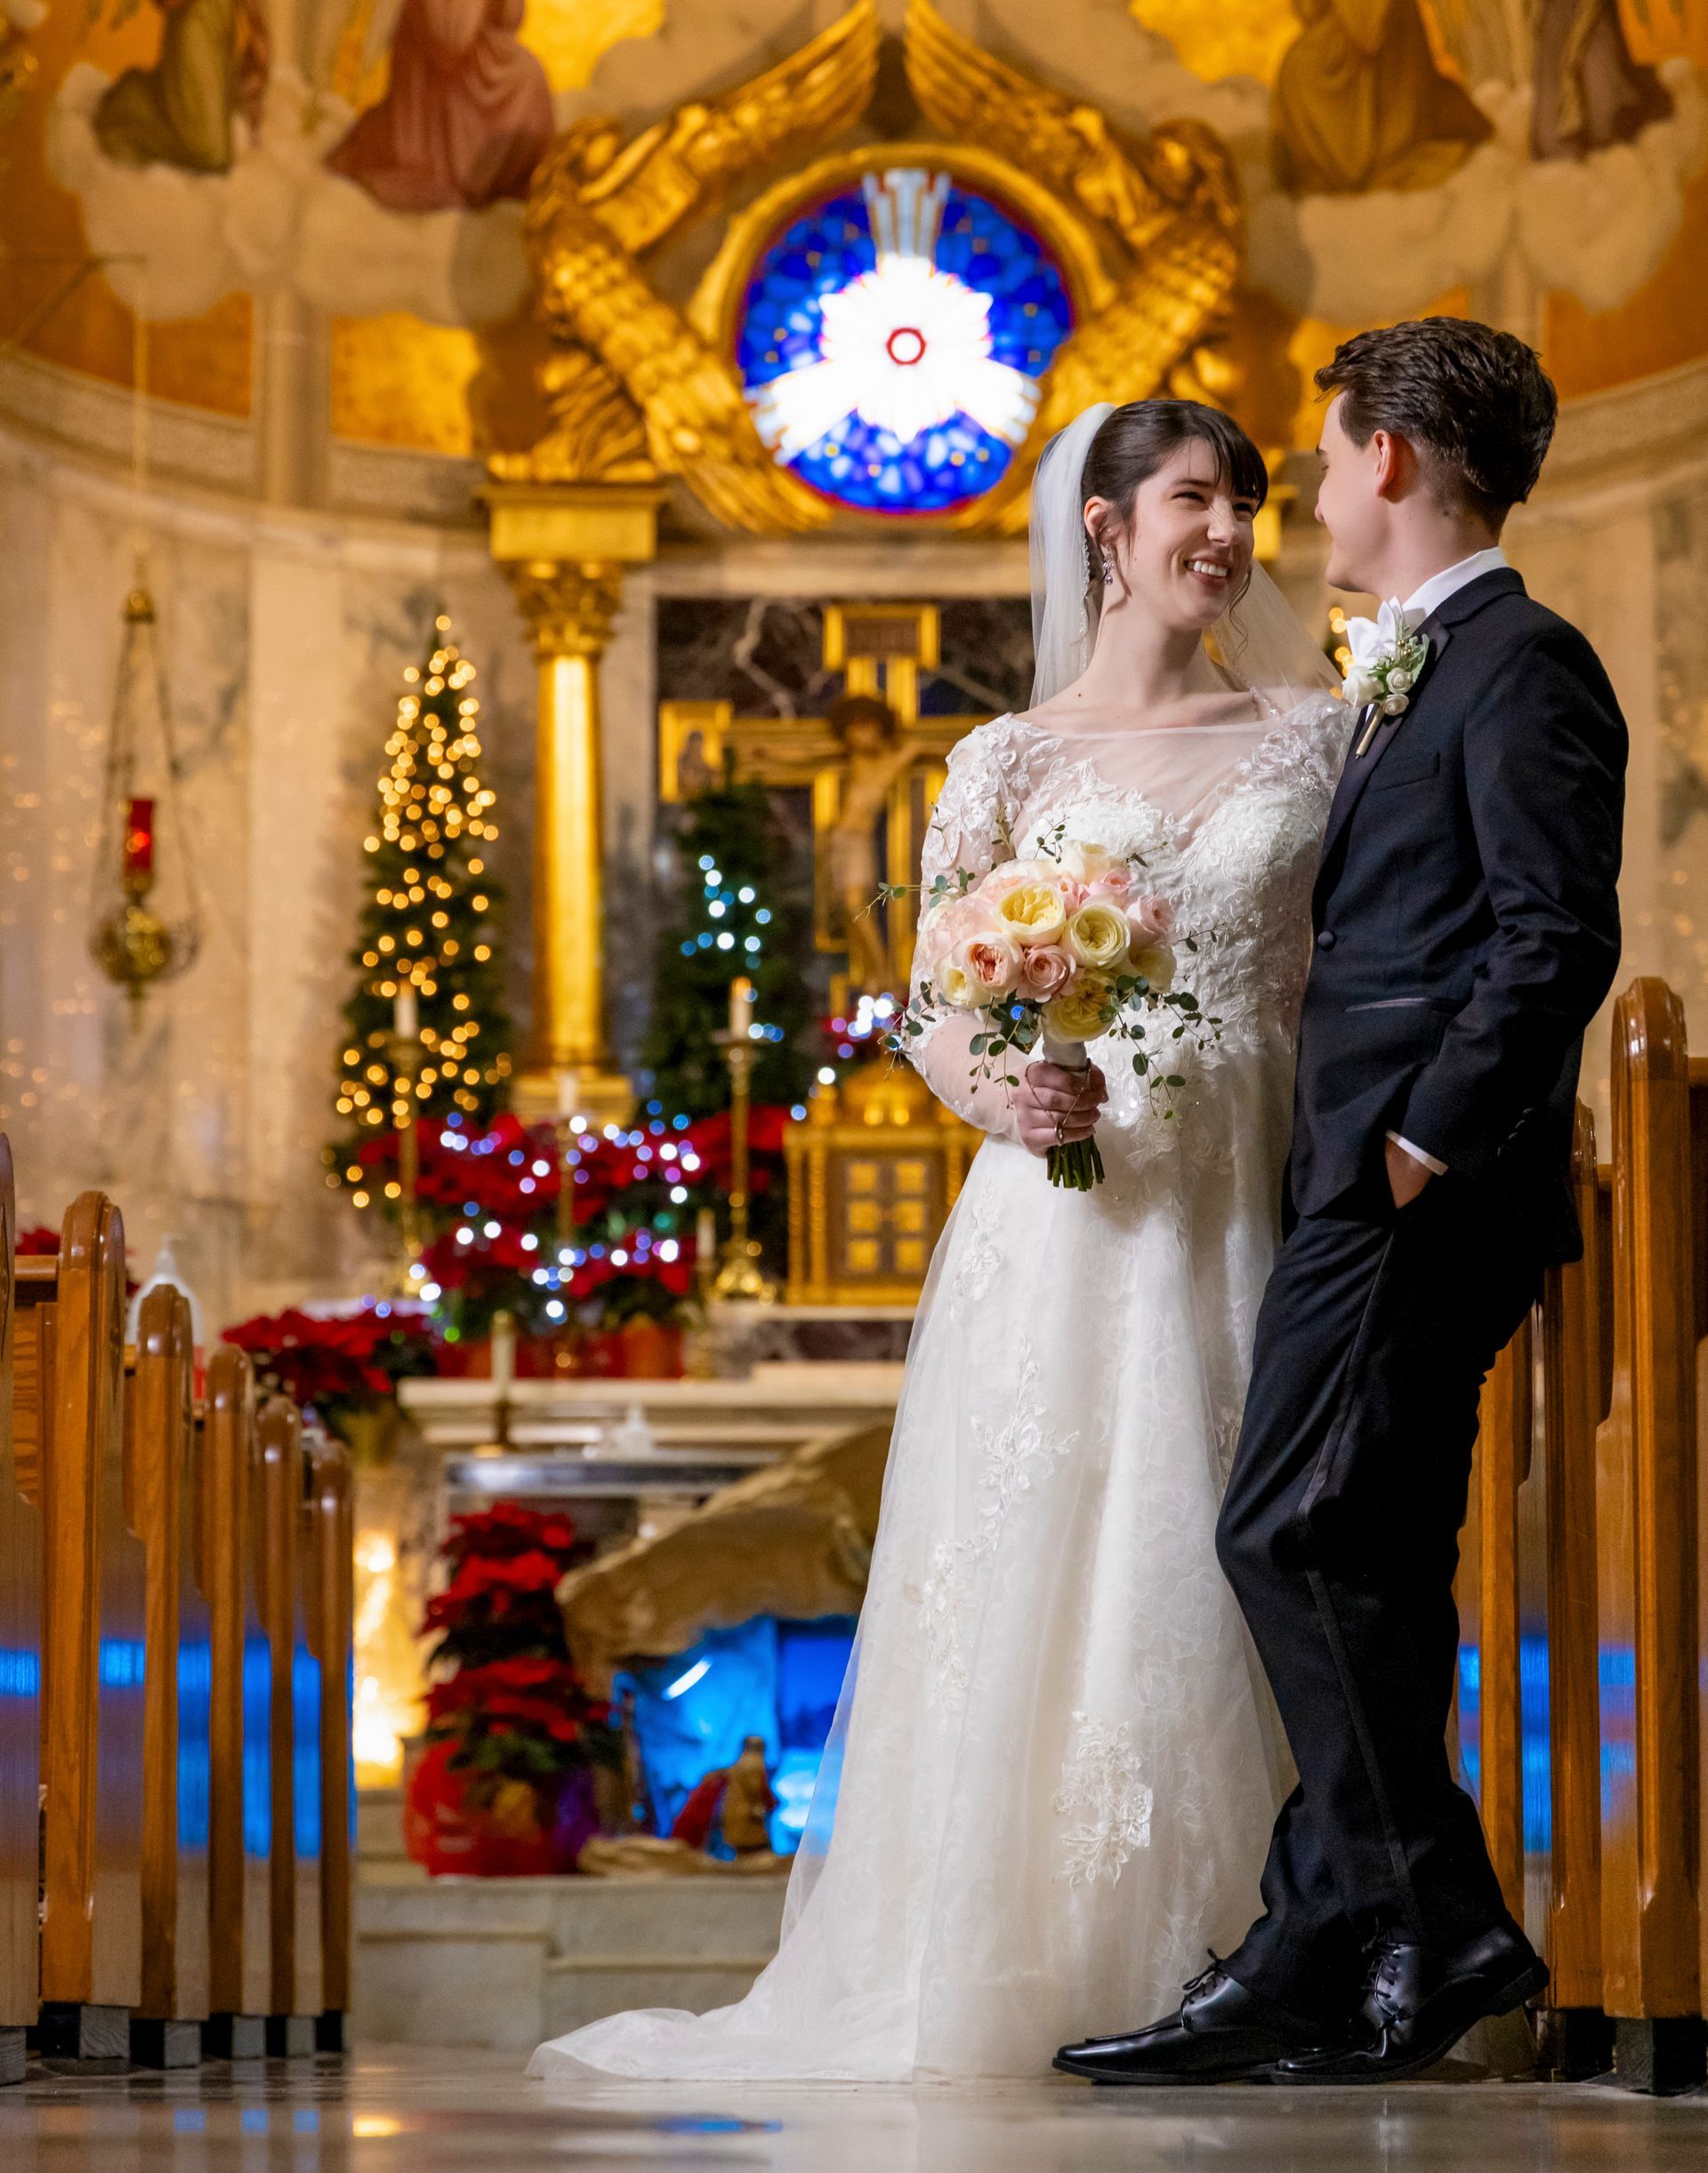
pixel 515 1707
pixel 339 1367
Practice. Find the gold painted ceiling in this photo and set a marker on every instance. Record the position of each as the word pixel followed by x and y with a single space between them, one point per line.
pixel 396 378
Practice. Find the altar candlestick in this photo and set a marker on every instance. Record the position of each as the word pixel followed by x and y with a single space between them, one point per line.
pixel 405 1013
pixel 741 1008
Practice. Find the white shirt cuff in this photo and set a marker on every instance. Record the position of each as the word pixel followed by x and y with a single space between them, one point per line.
pixel 1417 1154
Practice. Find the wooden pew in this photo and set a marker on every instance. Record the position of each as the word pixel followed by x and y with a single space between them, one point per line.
pixel 1490 1608
pixel 1647 1538
pixel 240 1807
pixel 167 1477
pixel 1698 1089
pixel 21 1661
pixel 332 1625
pixel 1577 2036
pixel 295 2000
pixel 68 1408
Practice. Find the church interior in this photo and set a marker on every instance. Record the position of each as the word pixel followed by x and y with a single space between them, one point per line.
pixel 493 580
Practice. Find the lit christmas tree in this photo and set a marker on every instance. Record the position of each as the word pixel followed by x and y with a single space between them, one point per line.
pixel 425 949
pixel 736 914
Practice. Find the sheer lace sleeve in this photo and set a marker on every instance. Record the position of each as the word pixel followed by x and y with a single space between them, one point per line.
pixel 972 828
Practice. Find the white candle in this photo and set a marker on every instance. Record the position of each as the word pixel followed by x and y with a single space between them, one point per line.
pixel 568 1092
pixel 741 1008
pixel 503 1352
pixel 405 1014
pixel 706 1236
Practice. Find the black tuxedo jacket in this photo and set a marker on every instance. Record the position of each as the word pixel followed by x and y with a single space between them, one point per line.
pixel 1466 918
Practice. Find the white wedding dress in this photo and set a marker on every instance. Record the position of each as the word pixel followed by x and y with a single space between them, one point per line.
pixel 1055 1765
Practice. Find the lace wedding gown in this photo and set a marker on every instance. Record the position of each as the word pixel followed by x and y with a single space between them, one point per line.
pixel 1055 1766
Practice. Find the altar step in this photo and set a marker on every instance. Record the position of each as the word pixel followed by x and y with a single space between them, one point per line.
pixel 504 1963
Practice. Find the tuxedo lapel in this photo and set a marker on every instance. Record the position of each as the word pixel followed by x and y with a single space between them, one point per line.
pixel 1361 768
pixel 1440 626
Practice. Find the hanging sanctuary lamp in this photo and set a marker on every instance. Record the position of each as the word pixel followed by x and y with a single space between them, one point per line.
pixel 145 918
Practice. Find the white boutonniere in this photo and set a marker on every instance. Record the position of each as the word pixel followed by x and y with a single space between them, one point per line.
pixel 1387 654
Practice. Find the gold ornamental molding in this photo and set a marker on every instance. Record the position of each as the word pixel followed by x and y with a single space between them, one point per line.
pixel 1147 232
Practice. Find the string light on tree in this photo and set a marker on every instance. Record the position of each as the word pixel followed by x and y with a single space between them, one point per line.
pixel 425 949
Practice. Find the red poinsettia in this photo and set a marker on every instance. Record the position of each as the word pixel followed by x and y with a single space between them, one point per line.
pixel 348 1363
pixel 513 1704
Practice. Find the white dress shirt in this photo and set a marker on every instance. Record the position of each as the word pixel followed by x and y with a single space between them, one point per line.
pixel 1427 597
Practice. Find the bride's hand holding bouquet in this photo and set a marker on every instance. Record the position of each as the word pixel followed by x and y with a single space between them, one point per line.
pixel 1049 954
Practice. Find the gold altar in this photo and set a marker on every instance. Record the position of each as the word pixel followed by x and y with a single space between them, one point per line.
pixel 873 1175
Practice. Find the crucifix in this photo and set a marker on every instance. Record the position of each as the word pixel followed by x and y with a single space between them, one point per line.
pixel 873 765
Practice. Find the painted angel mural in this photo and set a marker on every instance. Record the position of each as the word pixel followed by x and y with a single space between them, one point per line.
pixel 464 118
pixel 1361 103
pixel 180 112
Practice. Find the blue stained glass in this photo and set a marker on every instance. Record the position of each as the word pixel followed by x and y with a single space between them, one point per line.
pixel 782 329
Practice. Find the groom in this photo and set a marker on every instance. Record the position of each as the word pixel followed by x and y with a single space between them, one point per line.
pixel 1467 929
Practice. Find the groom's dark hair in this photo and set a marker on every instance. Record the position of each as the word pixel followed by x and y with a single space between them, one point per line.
pixel 1474 404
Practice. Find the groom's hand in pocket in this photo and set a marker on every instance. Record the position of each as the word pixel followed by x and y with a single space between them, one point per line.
pixel 1407 1175
pixel 1054 1106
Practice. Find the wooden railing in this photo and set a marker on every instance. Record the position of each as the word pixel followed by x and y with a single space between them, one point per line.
pixel 174 1605
pixel 1591 1585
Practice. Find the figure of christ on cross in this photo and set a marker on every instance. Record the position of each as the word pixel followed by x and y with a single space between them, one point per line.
pixel 873 767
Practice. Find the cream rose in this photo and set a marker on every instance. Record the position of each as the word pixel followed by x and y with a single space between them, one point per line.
pixel 1156 962
pixel 1033 913
pixel 953 985
pixel 1088 864
pixel 1100 938
pixel 1045 970
pixel 991 962
pixel 1082 1013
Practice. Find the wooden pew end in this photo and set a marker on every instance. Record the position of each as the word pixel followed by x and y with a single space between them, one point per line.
pixel 165 2044
pixel 290 2037
pixel 234 2037
pixel 1574 2043
pixel 77 2030
pixel 1662 2054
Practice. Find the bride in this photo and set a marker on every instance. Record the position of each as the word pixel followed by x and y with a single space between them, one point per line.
pixel 1054 1767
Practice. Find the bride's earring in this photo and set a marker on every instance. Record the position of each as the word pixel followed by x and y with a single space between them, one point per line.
pixel 1108 567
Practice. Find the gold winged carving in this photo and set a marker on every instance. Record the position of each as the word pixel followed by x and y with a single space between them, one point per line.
pixel 633 389
pixel 1168 204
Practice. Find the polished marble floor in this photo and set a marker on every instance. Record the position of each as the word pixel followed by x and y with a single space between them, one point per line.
pixel 415 2111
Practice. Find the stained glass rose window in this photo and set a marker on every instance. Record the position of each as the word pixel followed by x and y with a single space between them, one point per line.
pixel 892 339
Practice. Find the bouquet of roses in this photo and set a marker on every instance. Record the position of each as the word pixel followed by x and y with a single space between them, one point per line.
pixel 1049 954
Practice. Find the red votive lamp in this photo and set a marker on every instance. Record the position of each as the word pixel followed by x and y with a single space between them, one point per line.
pixel 139 837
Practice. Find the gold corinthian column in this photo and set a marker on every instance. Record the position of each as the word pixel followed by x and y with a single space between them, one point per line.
pixel 564 548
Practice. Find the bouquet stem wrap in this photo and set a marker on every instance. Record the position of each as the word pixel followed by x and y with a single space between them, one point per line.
pixel 1078 1165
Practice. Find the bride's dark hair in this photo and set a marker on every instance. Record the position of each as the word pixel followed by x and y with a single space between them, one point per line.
pixel 1134 442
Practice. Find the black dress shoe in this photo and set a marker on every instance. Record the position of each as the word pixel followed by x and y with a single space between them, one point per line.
pixel 1222 2032
pixel 1420 2002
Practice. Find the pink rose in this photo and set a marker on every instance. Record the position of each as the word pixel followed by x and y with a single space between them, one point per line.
pixel 1012 873
pixel 991 962
pixel 1115 885
pixel 946 925
pixel 1046 971
pixel 1151 919
pixel 1073 894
